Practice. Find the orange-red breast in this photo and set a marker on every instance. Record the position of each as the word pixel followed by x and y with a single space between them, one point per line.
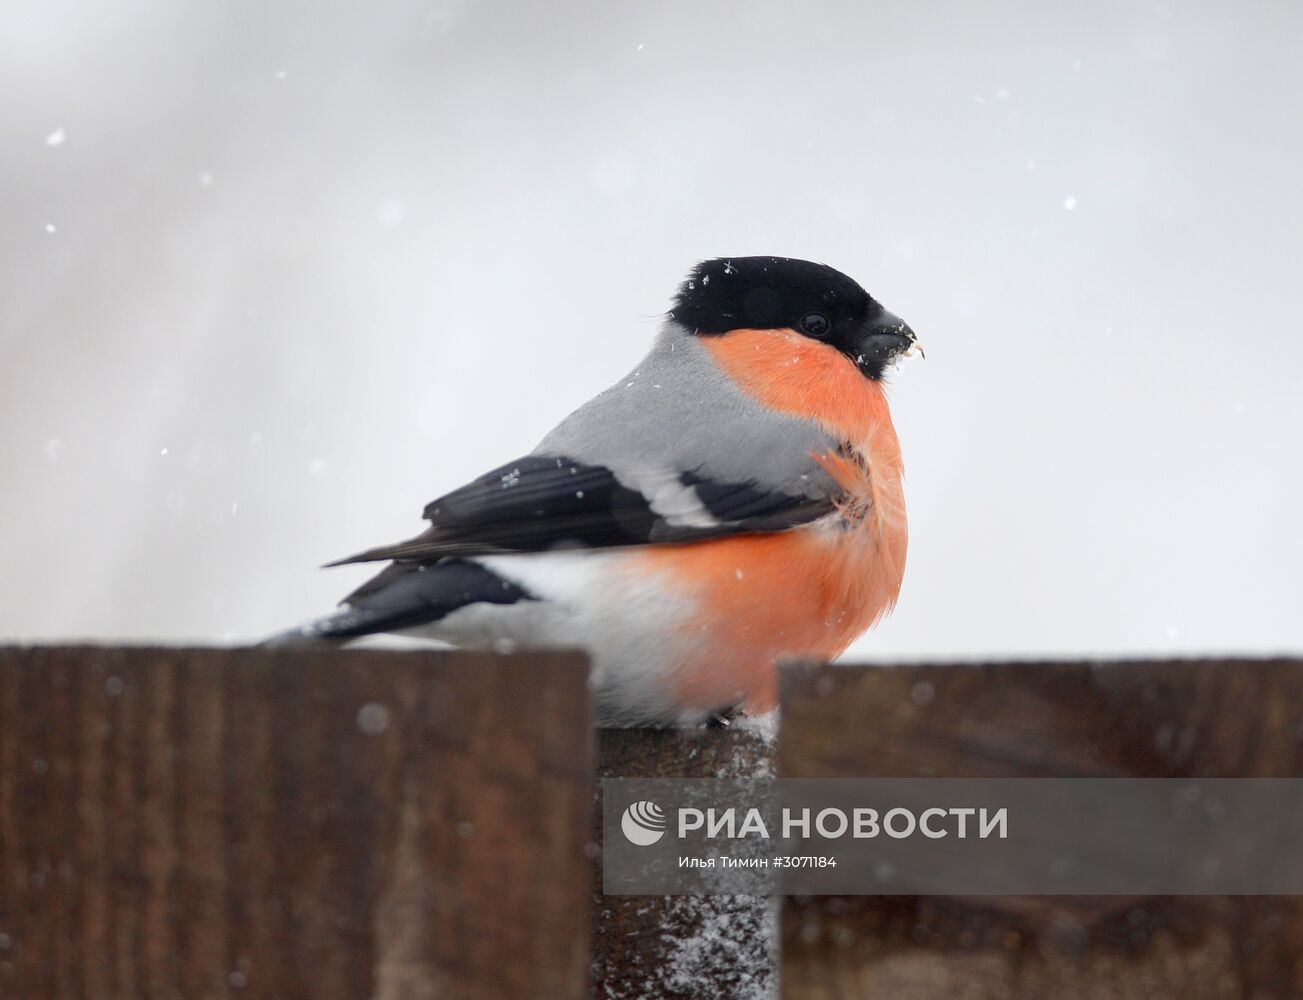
pixel 735 501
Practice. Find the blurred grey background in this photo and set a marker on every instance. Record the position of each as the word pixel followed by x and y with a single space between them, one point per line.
pixel 274 274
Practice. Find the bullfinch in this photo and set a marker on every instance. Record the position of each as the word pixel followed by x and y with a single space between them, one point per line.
pixel 733 502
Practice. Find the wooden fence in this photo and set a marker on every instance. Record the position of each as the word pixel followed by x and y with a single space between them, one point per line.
pixel 208 823
pixel 282 824
pixel 1221 719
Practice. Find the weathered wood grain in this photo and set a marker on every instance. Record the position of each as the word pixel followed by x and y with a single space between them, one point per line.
pixel 262 823
pixel 672 947
pixel 1148 719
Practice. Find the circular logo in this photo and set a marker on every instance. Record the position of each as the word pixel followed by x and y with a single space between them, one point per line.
pixel 643 823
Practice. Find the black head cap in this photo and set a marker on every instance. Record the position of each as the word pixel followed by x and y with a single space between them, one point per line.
pixel 782 293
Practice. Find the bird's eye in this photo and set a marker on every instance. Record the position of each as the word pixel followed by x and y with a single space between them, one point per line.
pixel 815 324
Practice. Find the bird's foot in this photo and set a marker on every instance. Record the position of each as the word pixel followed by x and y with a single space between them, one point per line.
pixel 724 717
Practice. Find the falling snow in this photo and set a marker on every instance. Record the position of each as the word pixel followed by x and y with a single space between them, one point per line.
pixel 373 718
pixel 922 693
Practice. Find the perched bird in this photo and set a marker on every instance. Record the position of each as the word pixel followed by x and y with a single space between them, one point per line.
pixel 733 502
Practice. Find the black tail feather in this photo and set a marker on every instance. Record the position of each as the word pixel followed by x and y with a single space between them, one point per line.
pixel 404 596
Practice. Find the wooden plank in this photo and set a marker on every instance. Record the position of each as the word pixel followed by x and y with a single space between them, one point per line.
pixel 672 947
pixel 279 823
pixel 1230 718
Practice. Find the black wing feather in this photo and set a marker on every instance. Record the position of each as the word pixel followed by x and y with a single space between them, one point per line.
pixel 547 502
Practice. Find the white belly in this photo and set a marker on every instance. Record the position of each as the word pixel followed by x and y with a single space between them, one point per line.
pixel 629 624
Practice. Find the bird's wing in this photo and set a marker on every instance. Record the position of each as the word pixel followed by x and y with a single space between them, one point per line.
pixel 554 502
pixel 673 453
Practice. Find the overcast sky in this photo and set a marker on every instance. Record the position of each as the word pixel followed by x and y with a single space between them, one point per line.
pixel 273 274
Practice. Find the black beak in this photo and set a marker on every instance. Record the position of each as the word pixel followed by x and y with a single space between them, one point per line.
pixel 883 339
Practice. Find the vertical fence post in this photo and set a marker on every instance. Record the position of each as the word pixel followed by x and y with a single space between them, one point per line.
pixel 683 946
